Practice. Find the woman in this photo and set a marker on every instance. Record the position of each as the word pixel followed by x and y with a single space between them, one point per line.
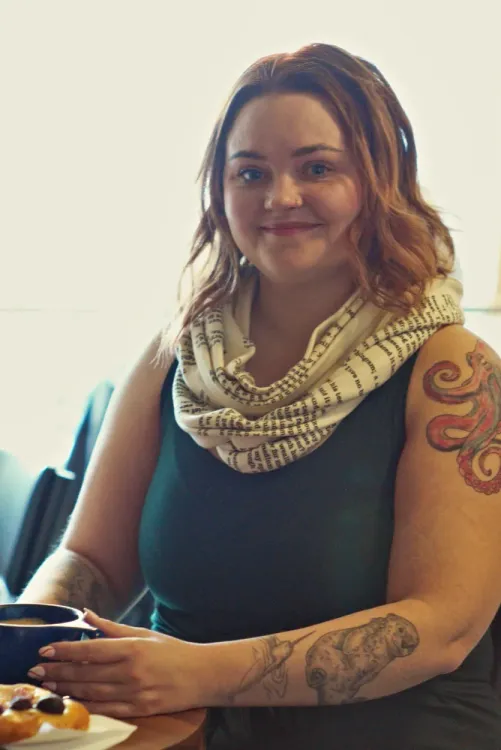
pixel 309 478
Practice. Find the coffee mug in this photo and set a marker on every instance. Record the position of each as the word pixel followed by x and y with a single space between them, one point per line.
pixel 20 643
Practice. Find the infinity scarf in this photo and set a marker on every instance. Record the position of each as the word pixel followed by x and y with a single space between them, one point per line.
pixel 256 429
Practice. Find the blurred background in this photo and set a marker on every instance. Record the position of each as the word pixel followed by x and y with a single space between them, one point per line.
pixel 106 109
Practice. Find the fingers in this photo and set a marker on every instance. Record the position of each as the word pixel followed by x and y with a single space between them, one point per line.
pixel 101 651
pixel 68 672
pixel 114 629
pixel 93 691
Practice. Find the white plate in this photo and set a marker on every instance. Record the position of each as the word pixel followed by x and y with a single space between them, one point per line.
pixel 102 733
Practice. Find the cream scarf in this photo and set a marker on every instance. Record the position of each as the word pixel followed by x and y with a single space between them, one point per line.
pixel 349 355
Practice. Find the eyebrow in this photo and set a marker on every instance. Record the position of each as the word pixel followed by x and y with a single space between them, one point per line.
pixel 303 151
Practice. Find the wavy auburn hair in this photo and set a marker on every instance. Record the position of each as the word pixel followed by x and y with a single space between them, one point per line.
pixel 399 241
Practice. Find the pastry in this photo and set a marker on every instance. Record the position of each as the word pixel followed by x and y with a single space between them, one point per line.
pixel 24 708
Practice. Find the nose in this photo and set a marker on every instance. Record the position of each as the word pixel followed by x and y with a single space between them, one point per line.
pixel 282 194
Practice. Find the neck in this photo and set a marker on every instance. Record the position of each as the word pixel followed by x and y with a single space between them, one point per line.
pixel 293 311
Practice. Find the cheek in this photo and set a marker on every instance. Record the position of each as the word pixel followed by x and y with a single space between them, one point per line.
pixel 342 202
pixel 241 212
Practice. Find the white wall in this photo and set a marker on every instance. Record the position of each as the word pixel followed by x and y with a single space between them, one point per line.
pixel 106 109
pixel 107 105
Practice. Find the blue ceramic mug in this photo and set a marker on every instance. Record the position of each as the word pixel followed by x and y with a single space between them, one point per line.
pixel 19 643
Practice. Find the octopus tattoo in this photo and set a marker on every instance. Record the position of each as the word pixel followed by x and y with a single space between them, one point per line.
pixel 341 662
pixel 476 435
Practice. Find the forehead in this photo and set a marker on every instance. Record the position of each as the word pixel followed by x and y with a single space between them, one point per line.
pixel 284 120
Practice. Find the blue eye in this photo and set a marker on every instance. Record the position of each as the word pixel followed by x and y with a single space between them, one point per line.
pixel 250 174
pixel 318 169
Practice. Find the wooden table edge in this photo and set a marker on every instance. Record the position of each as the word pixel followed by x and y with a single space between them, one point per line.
pixel 181 730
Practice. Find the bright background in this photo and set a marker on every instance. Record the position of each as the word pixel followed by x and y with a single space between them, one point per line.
pixel 106 109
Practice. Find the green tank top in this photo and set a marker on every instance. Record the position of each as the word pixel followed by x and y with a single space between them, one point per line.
pixel 229 555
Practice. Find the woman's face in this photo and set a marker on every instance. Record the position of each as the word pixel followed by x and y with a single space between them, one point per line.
pixel 290 188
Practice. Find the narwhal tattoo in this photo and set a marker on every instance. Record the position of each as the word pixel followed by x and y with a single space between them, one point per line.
pixel 269 666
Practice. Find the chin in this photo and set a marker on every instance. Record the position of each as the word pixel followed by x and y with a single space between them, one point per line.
pixel 298 262
pixel 287 273
pixel 281 265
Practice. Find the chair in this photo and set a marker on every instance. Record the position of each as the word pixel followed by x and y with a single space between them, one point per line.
pixel 16 484
pixel 44 521
pixel 32 510
pixel 36 509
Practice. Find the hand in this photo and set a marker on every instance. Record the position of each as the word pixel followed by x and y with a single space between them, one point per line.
pixel 131 672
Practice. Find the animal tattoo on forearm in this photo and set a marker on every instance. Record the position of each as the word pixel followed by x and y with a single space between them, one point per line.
pixel 338 663
pixel 269 666
pixel 476 436
pixel 342 661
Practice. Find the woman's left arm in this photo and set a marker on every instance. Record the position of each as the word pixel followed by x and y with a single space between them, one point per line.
pixel 443 580
pixel 445 568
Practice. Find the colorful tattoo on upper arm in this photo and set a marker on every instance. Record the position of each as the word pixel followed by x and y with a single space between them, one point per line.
pixel 475 435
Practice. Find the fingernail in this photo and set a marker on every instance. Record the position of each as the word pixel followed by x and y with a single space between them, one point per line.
pixel 50 686
pixel 38 673
pixel 47 651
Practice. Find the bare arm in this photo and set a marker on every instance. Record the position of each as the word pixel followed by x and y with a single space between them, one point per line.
pixel 70 579
pixel 361 656
pixel 97 562
pixel 445 566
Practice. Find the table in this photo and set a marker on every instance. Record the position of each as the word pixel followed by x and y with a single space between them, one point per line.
pixel 183 730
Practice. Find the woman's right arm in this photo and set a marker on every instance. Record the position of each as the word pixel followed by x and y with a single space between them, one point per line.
pixel 97 563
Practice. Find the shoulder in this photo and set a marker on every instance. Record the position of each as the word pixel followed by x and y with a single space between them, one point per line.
pixel 453 367
pixel 138 391
pixel 155 359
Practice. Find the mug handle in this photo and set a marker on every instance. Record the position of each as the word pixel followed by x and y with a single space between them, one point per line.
pixel 88 631
pixel 93 633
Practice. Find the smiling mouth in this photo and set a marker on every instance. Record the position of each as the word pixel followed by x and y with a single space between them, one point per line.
pixel 288 229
